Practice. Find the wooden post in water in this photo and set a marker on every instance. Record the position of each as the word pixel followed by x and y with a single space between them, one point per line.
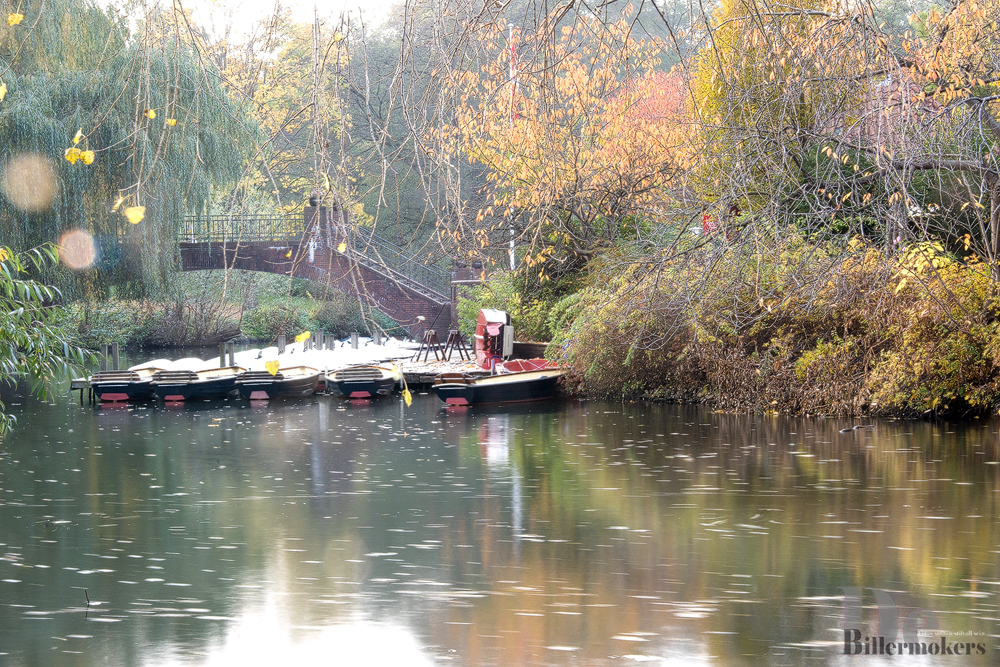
pixel 320 336
pixel 114 356
pixel 378 337
pixel 281 344
pixel 222 355
pixel 232 353
pixel 104 357
pixel 354 340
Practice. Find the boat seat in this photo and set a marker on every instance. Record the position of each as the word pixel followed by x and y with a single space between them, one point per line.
pixel 454 378
pixel 259 376
pixel 174 377
pixel 358 374
pixel 115 376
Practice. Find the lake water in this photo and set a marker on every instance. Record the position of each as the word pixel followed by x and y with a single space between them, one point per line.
pixel 320 531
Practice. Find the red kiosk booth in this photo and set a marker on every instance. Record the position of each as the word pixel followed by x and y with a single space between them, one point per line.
pixel 494 338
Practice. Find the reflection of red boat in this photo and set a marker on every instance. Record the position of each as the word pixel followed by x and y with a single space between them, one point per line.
pixel 532 385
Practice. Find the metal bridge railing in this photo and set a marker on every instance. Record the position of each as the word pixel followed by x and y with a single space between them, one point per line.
pixel 226 228
pixel 370 249
pixel 382 251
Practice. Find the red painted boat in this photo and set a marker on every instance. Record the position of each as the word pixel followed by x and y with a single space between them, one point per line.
pixel 517 387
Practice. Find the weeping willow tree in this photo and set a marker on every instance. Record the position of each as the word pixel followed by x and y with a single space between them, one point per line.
pixel 156 132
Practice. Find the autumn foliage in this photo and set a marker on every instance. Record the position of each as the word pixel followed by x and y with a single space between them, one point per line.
pixel 587 139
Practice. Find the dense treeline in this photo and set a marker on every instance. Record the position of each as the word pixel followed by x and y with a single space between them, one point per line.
pixel 765 205
pixel 814 226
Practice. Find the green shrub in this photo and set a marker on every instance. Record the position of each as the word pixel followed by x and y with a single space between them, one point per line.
pixel 266 323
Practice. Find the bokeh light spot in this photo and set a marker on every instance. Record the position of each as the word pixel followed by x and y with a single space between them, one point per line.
pixel 77 249
pixel 29 182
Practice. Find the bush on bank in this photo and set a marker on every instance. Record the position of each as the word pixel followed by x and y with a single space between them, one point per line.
pixel 203 311
pixel 790 326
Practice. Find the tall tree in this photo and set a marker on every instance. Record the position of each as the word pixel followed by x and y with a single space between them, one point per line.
pixel 145 122
pixel 579 152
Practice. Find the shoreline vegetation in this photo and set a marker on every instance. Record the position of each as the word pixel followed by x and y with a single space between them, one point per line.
pixel 778 325
pixel 763 207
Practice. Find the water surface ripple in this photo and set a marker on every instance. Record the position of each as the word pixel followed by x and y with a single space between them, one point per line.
pixel 575 533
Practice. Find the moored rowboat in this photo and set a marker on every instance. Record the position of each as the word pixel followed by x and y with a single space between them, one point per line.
pixel 260 385
pixel 182 385
pixel 130 385
pixel 364 381
pixel 536 385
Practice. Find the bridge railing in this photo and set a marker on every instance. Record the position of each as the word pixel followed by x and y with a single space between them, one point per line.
pixel 369 248
pixel 225 228
pixel 382 251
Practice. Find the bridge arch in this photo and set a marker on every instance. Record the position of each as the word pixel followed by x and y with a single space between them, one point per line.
pixel 317 247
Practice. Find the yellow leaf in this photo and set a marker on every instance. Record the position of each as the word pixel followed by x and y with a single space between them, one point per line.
pixel 171 121
pixel 72 154
pixel 149 113
pixel 78 136
pixel 272 367
pixel 3 91
pixel 87 157
pixel 135 214
pixel 407 397
pixel 118 203
pixel 302 336
pixel 14 18
pixel 3 254
pixel 342 247
pixel 288 254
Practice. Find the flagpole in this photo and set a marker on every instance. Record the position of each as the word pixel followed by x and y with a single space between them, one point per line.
pixel 513 90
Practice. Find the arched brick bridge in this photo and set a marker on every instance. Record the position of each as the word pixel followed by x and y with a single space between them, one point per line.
pixel 388 277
